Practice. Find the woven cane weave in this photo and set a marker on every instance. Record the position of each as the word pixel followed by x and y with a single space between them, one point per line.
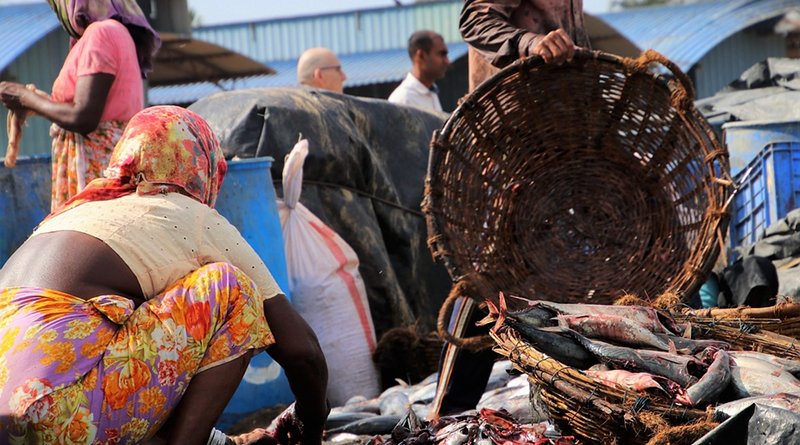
pixel 578 183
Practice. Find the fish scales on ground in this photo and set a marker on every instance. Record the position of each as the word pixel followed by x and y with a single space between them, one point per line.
pixel 615 328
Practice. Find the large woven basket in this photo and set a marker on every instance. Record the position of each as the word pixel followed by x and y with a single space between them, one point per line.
pixel 578 183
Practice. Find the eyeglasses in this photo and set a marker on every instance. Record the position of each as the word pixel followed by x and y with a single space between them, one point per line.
pixel 332 67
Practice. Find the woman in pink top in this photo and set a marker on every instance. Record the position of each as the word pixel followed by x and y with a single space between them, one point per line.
pixel 97 91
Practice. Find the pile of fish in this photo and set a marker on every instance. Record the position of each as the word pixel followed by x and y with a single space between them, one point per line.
pixel 641 349
pixel 396 410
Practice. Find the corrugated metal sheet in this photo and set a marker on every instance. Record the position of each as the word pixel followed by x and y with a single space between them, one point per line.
pixel 32 40
pixel 726 61
pixel 21 26
pixel 685 33
pixel 38 65
pixel 344 33
pixel 361 69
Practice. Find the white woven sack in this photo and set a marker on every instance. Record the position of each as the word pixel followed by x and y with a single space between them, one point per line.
pixel 327 290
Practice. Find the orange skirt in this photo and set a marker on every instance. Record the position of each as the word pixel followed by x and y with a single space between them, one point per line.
pixel 96 371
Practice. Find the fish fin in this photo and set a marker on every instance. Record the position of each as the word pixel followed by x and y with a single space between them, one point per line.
pixel 687 333
pixel 671 347
pixel 491 317
pixel 530 302
pixel 501 312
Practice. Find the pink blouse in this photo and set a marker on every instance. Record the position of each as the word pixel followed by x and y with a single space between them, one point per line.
pixel 105 47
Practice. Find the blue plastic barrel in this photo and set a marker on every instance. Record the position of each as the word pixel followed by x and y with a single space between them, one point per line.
pixel 24 201
pixel 247 199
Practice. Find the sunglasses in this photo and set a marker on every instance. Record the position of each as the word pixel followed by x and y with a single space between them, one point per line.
pixel 332 67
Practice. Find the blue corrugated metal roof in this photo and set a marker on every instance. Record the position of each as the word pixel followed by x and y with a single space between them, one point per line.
pixel 361 69
pixel 685 33
pixel 21 26
pixel 352 32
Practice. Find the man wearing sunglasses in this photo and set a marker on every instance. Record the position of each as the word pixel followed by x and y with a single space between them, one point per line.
pixel 320 68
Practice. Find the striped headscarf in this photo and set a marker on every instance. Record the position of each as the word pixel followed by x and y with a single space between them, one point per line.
pixel 163 149
pixel 76 15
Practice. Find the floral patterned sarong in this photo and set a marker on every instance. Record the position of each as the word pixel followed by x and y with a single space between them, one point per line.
pixel 78 159
pixel 98 371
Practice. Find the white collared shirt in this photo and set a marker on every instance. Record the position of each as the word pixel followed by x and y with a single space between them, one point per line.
pixel 413 93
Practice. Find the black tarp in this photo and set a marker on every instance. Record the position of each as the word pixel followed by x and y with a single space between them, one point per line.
pixel 767 91
pixel 364 177
pixel 756 425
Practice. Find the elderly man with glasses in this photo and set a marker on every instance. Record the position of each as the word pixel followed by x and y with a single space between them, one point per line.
pixel 320 68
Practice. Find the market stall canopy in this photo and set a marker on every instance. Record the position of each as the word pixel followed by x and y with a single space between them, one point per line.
pixel 183 59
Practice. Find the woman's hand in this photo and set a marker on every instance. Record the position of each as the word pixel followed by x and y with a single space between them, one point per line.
pixel 11 93
pixel 298 352
pixel 81 116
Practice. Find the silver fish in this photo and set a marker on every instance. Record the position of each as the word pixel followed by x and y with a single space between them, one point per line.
pixel 499 376
pixel 394 401
pixel 711 385
pixel 792 366
pixel 632 381
pixel 360 404
pixel 424 394
pixel 693 346
pixel 515 400
pixel 789 401
pixel 755 377
pixel 337 419
pixel 371 426
pixel 615 328
pixel 652 319
pixel 678 368
pixel 554 342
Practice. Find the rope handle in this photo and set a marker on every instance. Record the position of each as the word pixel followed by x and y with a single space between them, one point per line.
pixel 652 56
pixel 470 343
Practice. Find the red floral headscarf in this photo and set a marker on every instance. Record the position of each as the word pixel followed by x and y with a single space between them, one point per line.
pixel 163 149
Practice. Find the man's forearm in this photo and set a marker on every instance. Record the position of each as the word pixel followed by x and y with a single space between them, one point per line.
pixel 486 26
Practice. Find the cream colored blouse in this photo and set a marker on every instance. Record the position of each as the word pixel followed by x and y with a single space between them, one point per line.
pixel 162 238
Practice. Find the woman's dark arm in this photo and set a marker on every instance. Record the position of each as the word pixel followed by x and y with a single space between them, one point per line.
pixel 298 352
pixel 81 116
